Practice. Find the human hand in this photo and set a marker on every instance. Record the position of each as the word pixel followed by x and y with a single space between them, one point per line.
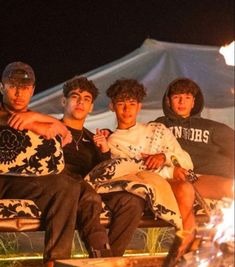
pixel 154 161
pixel 106 132
pixel 50 130
pixel 100 141
pixel 67 139
pixel 57 128
pixel 180 173
pixel 22 120
pixel 46 129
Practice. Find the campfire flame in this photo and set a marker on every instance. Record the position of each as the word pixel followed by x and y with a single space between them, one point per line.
pixel 225 230
pixel 228 52
pixel 217 240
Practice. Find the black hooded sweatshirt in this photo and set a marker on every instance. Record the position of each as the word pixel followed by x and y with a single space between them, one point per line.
pixel 209 143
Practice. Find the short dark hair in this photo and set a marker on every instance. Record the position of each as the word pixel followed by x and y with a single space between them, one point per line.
pixel 181 86
pixel 126 89
pixel 81 83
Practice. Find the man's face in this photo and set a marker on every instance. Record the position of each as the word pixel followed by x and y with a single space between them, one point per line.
pixel 17 97
pixel 126 112
pixel 182 104
pixel 77 104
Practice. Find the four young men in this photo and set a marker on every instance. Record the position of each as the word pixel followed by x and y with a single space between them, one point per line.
pixel 65 199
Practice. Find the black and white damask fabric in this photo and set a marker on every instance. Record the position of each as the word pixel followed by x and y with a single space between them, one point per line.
pixel 25 153
pixel 123 174
pixel 18 208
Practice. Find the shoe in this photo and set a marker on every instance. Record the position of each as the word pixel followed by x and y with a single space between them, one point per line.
pixel 101 253
pixel 187 238
pixel 181 245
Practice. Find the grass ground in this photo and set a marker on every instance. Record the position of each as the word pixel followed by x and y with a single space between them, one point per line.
pixel 29 244
pixel 26 263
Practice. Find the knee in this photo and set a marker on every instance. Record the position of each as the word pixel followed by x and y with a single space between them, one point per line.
pixel 88 194
pixel 91 197
pixel 134 204
pixel 184 191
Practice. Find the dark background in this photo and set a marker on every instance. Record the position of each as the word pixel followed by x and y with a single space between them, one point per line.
pixel 62 38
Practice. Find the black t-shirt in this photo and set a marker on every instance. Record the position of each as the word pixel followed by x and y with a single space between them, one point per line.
pixel 82 155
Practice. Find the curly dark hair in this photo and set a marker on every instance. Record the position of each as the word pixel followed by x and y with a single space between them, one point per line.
pixel 181 86
pixel 81 83
pixel 126 89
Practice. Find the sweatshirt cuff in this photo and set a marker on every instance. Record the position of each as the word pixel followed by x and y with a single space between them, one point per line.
pixel 168 160
pixel 106 155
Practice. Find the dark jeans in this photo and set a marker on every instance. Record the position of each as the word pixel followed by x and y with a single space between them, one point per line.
pixel 92 233
pixel 57 196
pixel 127 210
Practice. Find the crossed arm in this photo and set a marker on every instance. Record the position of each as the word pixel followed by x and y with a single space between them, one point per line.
pixel 151 161
pixel 41 124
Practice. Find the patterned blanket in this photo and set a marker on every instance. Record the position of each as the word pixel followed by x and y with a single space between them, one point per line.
pixel 24 153
pixel 130 175
pixel 15 208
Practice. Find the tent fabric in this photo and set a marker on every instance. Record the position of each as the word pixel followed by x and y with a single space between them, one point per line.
pixel 156 64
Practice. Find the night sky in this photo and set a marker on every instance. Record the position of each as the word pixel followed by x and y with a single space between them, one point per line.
pixel 60 39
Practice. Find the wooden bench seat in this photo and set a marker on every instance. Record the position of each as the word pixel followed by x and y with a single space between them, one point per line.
pixel 23 215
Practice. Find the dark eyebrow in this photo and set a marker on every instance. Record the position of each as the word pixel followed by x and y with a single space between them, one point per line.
pixel 88 96
pixel 77 94
pixel 73 93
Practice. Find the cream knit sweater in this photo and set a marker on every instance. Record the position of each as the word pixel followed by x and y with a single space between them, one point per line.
pixel 151 138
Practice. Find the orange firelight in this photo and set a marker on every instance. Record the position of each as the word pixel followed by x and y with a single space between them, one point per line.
pixel 228 52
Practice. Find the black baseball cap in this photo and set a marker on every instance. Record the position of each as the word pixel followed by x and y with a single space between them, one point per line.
pixel 18 73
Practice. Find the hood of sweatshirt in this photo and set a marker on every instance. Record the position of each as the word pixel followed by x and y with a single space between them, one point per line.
pixel 196 111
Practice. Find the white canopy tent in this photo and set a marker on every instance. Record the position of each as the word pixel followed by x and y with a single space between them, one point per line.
pixel 156 64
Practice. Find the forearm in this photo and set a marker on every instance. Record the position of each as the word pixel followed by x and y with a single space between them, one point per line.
pixel 105 156
pixel 117 153
pixel 25 120
pixel 47 129
pixel 40 117
pixel 176 150
pixel 37 127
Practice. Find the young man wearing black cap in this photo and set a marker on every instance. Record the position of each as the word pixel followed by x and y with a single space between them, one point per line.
pixel 87 150
pixel 18 83
pixel 57 196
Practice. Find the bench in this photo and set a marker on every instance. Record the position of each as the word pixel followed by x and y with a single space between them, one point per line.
pixel 23 215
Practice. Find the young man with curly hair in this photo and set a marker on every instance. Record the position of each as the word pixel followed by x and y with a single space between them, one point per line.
pixel 153 143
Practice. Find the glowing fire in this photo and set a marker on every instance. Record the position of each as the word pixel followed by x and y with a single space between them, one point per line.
pixel 217 247
pixel 225 230
pixel 228 53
